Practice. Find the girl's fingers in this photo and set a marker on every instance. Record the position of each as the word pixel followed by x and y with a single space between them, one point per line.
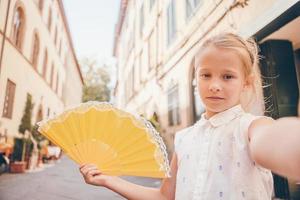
pixel 93 172
pixel 89 169
pixel 84 170
pixel 82 166
pixel 86 166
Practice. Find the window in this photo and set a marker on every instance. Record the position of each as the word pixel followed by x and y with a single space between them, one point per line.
pixel 41 5
pixel 171 20
pixel 50 19
pixel 18 27
pixel 173 106
pixel 9 99
pixel 57 80
pixel 191 6
pixel 151 4
pixel 130 84
pixel 44 72
pixel 52 76
pixel 35 51
pixel 55 37
pixel 141 20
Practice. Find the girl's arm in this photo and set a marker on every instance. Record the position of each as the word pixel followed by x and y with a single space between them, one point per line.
pixel 130 190
pixel 276 145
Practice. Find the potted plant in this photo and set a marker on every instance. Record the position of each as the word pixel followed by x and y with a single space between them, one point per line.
pixel 18 164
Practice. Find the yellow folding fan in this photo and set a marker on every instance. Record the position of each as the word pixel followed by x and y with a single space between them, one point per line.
pixel 118 142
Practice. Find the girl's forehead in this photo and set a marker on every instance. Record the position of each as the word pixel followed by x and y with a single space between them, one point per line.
pixel 219 58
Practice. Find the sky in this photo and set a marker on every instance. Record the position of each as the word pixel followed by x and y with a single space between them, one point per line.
pixel 92 24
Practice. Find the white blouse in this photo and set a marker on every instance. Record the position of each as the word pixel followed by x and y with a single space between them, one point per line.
pixel 214 161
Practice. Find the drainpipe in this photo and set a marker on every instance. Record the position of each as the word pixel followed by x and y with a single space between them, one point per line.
pixel 4 35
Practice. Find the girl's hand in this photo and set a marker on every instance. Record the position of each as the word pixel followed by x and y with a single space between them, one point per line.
pixel 92 175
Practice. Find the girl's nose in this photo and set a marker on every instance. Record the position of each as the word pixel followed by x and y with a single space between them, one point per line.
pixel 214 87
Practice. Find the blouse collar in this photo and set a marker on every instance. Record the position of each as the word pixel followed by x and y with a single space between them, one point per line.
pixel 223 117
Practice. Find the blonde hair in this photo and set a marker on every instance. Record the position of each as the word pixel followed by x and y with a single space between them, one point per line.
pixel 247 51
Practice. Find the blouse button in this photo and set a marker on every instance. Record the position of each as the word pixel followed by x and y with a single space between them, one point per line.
pixel 220 167
pixel 243 193
pixel 221 194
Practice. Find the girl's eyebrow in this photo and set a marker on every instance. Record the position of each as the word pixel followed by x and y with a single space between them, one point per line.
pixel 203 69
pixel 230 71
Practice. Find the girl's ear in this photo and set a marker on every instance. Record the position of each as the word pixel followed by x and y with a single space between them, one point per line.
pixel 249 81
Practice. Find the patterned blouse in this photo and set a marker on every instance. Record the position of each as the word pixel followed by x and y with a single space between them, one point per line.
pixel 214 160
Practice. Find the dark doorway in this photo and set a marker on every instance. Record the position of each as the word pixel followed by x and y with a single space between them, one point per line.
pixel 281 93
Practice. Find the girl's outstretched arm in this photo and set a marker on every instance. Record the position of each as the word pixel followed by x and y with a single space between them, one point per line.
pixel 276 145
pixel 130 190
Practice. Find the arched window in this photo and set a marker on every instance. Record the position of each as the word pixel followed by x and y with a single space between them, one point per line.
pixel 41 5
pixel 44 71
pixel 52 76
pixel 35 50
pixel 50 19
pixel 57 82
pixel 55 37
pixel 18 27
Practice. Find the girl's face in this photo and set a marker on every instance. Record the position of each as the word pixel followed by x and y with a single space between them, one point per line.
pixel 220 79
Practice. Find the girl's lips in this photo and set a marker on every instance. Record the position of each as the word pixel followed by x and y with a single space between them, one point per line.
pixel 215 98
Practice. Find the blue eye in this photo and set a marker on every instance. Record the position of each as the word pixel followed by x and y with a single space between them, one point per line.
pixel 227 77
pixel 205 76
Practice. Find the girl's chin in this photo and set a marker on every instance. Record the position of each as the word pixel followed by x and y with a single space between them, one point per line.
pixel 216 108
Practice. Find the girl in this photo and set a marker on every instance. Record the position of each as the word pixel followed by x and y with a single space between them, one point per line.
pixel 228 153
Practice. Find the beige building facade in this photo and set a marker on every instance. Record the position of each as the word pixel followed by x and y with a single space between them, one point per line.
pixel 37 59
pixel 156 41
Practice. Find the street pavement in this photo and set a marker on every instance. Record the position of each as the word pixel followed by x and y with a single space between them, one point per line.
pixel 59 181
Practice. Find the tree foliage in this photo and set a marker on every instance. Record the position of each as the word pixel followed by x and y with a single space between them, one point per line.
pixel 26 118
pixel 97 79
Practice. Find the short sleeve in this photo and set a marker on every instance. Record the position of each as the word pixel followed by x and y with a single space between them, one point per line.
pixel 178 138
pixel 246 121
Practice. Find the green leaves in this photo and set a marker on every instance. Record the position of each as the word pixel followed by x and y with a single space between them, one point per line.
pixel 97 79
